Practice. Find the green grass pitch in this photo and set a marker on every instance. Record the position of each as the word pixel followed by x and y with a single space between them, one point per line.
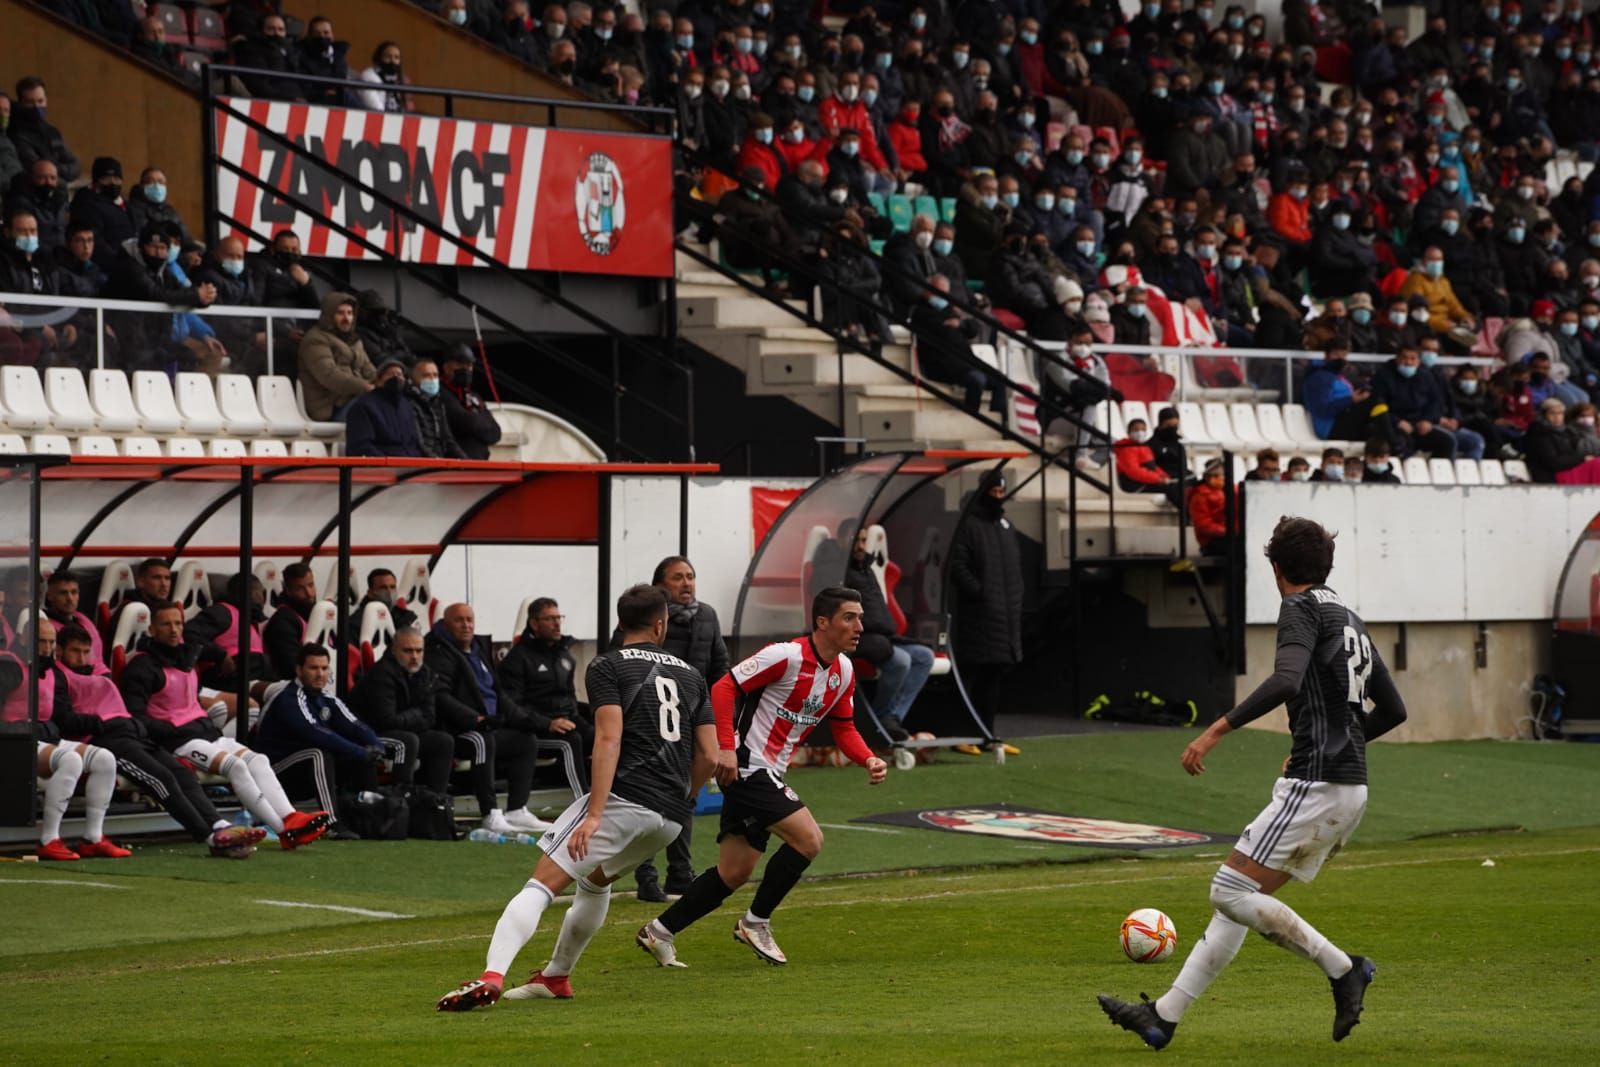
pixel 907 946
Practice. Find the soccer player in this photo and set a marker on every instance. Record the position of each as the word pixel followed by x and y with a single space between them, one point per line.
pixel 765 707
pixel 1326 668
pixel 655 746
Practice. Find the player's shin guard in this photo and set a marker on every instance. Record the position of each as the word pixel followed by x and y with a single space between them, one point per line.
pixel 1240 899
pixel 704 896
pixel 1210 955
pixel 65 768
pixel 266 780
pixel 583 921
pixel 783 873
pixel 517 925
pixel 101 767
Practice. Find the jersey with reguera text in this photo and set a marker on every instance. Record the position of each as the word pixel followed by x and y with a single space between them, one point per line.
pixel 663 700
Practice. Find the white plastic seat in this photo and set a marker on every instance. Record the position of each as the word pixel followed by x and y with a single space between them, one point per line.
pixel 1218 426
pixel 113 404
pixel 320 630
pixel 1415 471
pixel 1298 423
pixel 116 582
pixel 132 624
pixel 1493 471
pixel 314 427
pixel 1442 471
pixel 96 445
pixel 191 588
pixel 986 354
pixel 270 448
pixel 375 634
pixel 12 444
pixel 1243 417
pixel 158 409
pixel 226 448
pixel 275 399
pixel 51 444
pixel 25 408
pixel 308 449
pixel 236 399
pixel 197 403
pixel 141 446
pixel 1100 417
pixel 1517 471
pixel 416 588
pixel 1269 421
pixel 1119 425
pixel 329 587
pixel 186 447
pixel 271 578
pixel 68 400
pixel 1467 472
pixel 1192 423
pixel 1136 409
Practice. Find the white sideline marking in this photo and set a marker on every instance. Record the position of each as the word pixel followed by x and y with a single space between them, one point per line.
pixel 863 829
pixel 58 881
pixel 367 912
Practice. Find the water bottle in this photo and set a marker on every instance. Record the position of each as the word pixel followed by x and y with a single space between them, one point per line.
pixel 488 837
pixel 367 796
pixel 526 839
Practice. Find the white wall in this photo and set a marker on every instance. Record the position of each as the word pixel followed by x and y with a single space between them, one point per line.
pixel 1424 553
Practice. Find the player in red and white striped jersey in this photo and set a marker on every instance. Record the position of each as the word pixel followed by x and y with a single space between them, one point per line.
pixel 765 707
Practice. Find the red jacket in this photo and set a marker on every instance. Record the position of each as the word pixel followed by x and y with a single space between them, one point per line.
pixel 1136 463
pixel 796 154
pixel 907 142
pixel 835 115
pixel 1207 513
pixel 767 157
pixel 1517 409
pixel 1290 218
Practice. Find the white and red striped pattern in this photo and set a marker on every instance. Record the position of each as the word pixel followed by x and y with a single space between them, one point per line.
pixel 796 693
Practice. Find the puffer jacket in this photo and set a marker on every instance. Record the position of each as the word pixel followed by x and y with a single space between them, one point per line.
pixel 334 368
pixel 986 568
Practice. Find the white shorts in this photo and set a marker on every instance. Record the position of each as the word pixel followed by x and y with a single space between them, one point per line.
pixel 208 754
pixel 1306 824
pixel 628 835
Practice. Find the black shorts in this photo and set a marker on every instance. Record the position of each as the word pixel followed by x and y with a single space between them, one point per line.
pixel 751 805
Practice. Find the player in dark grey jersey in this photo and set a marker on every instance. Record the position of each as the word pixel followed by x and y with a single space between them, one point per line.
pixel 655 746
pixel 1326 669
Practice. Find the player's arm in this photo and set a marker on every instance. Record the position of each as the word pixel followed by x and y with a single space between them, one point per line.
pixel 1388 708
pixel 1288 672
pixel 705 757
pixel 848 738
pixel 602 772
pixel 725 761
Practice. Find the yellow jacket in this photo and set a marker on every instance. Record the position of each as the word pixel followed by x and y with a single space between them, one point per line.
pixel 1444 310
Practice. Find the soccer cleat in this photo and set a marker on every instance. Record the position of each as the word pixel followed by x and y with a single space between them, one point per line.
pixel 236 842
pixel 967 750
pixel 56 851
pixel 1348 991
pixel 474 994
pixel 665 952
pixel 524 821
pixel 1140 1018
pixel 302 828
pixel 759 937
pixel 542 987
pixel 105 849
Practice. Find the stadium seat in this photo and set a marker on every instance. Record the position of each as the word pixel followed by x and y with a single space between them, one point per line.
pixel 1298 423
pixel 1493 471
pixel 50 444
pixel 1218 426
pixel 95 445
pixel 520 623
pixel 226 448
pixel 1441 471
pixel 313 427
pixel 1243 418
pixel 113 404
pixel 207 31
pixel 173 20
pixel 415 591
pixel 236 399
pixel 193 61
pixel 158 410
pixel 322 629
pixel 900 212
pixel 271 578
pixel 926 205
pixel 308 449
pixel 329 587
pixel 116 583
pixel 20 392
pixel 68 400
pixel 275 396
pixel 132 624
pixel 375 633
pixel 1137 409
pixel 1467 472
pixel 12 444
pixel 1517 471
pixel 141 446
pixel 878 204
pixel 191 588
pixel 1192 422
pixel 197 403
pixel 1117 425
pixel 296 26
pixel 271 448
pixel 1414 471
pixel 947 209
pixel 186 448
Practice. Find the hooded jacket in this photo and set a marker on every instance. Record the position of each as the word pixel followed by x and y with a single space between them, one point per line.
pixel 382 423
pixel 334 368
pixel 986 569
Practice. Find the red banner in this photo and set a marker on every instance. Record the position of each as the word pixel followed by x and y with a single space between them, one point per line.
pixel 531 198
pixel 765 507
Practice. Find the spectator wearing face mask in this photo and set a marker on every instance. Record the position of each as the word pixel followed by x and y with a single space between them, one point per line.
pixel 148 204
pixel 321 56
pixel 1196 158
pixel 380 422
pixel 386 71
pixel 760 154
pixel 471 422
pixel 944 145
pixel 1340 264
pixel 949 264
pixel 1332 468
pixel 908 259
pixel 1208 509
pixel 1478 410
pixel 1268 467
pixel 1378 465
pixel 145 272
pixel 981 220
pixel 1417 406
pixel 944 352
pixel 1340 409
pixel 426 396
pixel 1555 455
pixel 1290 215
pixel 1581 376
pixel 1137 469
pixel 1582 420
pixel 1445 310
pixel 269 49
pixel 691 110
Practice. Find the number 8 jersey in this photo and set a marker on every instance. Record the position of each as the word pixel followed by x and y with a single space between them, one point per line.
pixel 662 699
pixel 1327 717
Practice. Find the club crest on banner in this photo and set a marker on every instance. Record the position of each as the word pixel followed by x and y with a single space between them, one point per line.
pixel 601 208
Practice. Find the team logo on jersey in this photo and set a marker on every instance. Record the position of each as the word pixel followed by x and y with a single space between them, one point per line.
pixel 601 208
pixel 1028 824
pixel 833 681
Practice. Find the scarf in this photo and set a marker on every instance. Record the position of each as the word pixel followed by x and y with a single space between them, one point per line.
pixel 682 614
pixel 952 131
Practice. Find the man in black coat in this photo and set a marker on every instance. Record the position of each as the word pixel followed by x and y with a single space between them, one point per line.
pixel 380 422
pixel 322 56
pixel 908 262
pixel 102 205
pixel 471 422
pixel 269 49
pixel 395 698
pixel 944 350
pixel 465 690
pixel 807 209
pixel 143 273
pixel 34 138
pixel 903 666
pixel 25 269
pixel 40 190
pixel 986 570
pixel 1340 263
pixel 538 673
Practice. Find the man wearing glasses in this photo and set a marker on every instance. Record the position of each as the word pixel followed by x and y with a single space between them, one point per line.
pixel 538 674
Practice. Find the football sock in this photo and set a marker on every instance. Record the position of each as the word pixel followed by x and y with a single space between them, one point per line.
pixel 65 767
pixel 266 780
pixel 516 928
pixel 782 874
pixel 102 768
pixel 1213 952
pixel 245 788
pixel 583 921
pixel 1240 899
pixel 704 896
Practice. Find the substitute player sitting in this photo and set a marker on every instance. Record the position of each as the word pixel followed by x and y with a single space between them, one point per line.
pixel 1326 666
pixel 766 706
pixel 655 746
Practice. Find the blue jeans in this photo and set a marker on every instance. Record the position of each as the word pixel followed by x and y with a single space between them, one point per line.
pixel 1469 443
pixel 902 678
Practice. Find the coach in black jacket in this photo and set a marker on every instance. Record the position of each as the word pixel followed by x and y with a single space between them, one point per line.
pixel 986 568
pixel 538 674
pixel 395 698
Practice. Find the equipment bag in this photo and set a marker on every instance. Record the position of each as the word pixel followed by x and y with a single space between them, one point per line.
pixel 377 816
pixel 433 814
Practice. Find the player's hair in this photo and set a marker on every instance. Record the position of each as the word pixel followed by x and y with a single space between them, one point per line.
pixel 1332 453
pixel 1267 454
pixel 665 565
pixel 1302 550
pixel 295 571
pixel 309 650
pixel 145 566
pixel 231 590
pixel 62 577
pixel 73 634
pixel 406 631
pixel 379 572
pixel 1378 447
pixel 828 601
pixel 163 605
pixel 640 606
pixel 539 604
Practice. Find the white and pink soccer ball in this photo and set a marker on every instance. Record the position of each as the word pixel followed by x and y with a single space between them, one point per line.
pixel 1148 936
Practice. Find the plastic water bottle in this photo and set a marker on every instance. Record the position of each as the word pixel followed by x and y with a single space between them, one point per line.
pixel 526 839
pixel 487 837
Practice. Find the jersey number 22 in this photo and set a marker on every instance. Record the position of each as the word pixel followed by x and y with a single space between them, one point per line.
pixel 1357 663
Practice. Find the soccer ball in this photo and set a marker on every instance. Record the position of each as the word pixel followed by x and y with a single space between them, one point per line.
pixel 1148 936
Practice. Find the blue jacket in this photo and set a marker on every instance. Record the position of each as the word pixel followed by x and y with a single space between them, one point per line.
pixel 298 719
pixel 380 423
pixel 1326 393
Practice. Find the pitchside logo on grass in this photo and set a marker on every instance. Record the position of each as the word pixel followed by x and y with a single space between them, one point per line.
pixel 1029 824
pixel 601 210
